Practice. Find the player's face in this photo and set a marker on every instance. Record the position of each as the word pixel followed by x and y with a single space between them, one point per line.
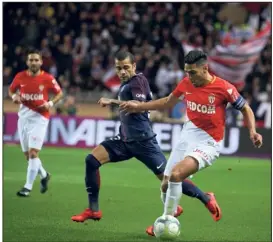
pixel 196 74
pixel 34 62
pixel 125 69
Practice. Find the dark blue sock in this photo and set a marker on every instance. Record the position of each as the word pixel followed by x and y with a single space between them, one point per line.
pixel 92 181
pixel 189 189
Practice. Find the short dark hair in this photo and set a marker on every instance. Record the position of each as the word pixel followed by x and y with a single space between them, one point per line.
pixel 196 57
pixel 122 55
pixel 30 52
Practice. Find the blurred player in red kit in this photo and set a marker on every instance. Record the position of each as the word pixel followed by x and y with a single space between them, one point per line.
pixel 30 88
pixel 199 145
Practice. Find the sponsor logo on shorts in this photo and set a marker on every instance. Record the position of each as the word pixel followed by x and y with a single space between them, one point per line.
pixel 202 153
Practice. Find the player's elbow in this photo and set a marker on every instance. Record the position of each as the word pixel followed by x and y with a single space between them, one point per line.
pixel 246 109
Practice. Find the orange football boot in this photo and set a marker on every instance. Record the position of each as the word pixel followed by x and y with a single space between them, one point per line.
pixel 87 214
pixel 213 207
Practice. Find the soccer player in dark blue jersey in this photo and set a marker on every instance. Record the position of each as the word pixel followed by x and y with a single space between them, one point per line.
pixel 136 139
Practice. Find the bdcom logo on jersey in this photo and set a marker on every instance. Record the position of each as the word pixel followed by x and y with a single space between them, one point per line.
pixel 32 97
pixel 202 108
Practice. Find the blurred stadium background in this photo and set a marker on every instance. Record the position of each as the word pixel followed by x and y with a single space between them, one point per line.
pixel 78 41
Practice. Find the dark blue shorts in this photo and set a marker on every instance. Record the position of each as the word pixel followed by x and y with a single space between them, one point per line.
pixel 147 151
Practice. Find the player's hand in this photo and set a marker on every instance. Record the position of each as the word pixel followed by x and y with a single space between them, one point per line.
pixel 130 107
pixel 16 99
pixel 256 139
pixel 104 102
pixel 46 106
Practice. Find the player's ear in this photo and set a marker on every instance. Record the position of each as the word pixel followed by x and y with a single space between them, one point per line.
pixel 205 68
pixel 134 66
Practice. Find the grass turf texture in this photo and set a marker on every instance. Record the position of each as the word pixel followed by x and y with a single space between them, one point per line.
pixel 130 200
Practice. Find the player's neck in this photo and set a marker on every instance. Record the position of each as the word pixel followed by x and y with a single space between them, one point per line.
pixel 30 73
pixel 209 79
pixel 129 78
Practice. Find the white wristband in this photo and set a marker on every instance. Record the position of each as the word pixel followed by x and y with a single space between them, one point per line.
pixel 13 96
pixel 51 104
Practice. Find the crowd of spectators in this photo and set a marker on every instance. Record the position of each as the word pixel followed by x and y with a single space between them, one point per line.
pixel 78 41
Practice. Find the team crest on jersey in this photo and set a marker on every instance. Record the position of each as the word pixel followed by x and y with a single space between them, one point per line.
pixel 41 88
pixel 211 98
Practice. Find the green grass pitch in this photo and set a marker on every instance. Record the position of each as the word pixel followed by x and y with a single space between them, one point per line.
pixel 130 200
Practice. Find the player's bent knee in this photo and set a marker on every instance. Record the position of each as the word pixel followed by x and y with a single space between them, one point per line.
pixel 176 175
pixel 92 162
pixel 33 153
pixel 184 169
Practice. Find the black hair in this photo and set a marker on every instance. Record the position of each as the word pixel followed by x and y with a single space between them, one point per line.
pixel 122 55
pixel 196 57
pixel 33 51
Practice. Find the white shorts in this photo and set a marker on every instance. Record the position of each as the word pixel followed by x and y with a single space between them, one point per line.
pixel 32 132
pixel 205 152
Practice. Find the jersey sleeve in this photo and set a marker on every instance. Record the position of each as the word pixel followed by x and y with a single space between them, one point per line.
pixel 15 85
pixel 53 85
pixel 138 90
pixel 180 89
pixel 233 97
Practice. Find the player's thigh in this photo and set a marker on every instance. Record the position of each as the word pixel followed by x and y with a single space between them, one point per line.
pixel 204 154
pixel 101 154
pixel 149 153
pixel 176 156
pixel 37 132
pixel 22 126
pixel 116 150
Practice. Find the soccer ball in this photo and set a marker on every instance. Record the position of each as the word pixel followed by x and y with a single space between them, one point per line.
pixel 166 227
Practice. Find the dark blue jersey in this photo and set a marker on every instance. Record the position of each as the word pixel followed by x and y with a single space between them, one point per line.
pixel 136 126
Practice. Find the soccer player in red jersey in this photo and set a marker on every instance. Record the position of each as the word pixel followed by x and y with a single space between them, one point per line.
pixel 30 89
pixel 199 146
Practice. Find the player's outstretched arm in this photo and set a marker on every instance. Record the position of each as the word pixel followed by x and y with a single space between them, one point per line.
pixel 249 118
pixel 162 103
pixel 108 101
